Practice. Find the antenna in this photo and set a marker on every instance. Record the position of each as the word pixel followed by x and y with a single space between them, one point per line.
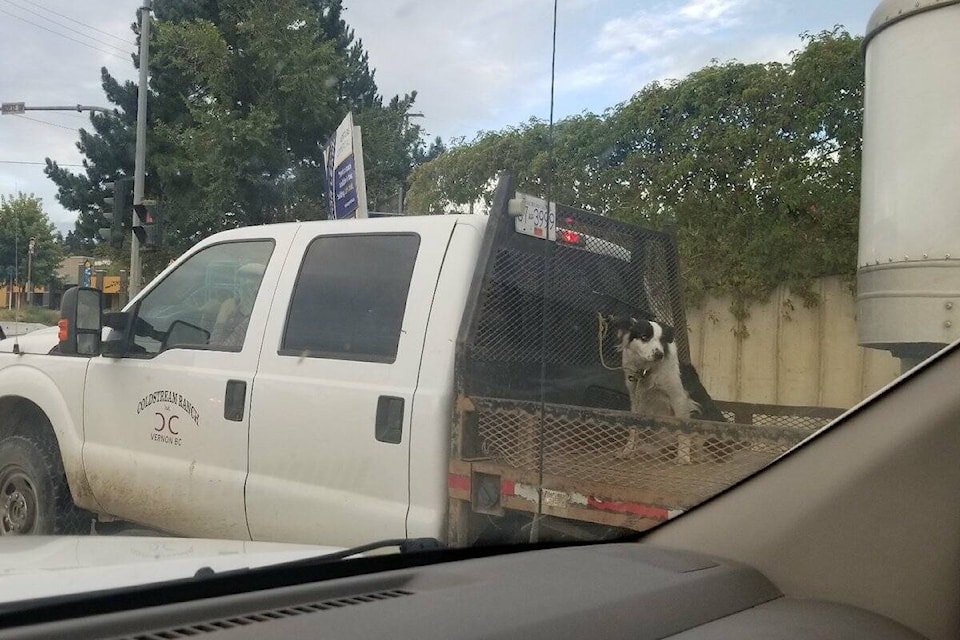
pixel 547 247
pixel 16 314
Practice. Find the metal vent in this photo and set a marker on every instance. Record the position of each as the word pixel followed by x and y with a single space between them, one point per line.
pixel 210 626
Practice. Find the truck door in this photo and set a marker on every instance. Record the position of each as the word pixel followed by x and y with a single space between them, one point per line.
pixel 166 425
pixel 330 432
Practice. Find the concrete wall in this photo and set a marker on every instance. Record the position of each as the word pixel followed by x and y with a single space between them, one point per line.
pixel 792 355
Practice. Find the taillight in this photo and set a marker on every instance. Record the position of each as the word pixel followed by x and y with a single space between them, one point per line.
pixel 570 237
pixel 64 325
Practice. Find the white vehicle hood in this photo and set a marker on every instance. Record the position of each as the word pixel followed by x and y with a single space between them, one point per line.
pixel 39 341
pixel 40 566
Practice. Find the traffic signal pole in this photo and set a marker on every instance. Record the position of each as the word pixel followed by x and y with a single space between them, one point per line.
pixel 141 152
pixel 18 108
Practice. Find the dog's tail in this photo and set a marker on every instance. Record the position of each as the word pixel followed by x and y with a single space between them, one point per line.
pixel 707 408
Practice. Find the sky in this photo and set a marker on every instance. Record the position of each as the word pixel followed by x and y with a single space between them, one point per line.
pixel 476 66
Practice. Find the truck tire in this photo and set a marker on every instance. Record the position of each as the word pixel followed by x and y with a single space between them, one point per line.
pixel 34 497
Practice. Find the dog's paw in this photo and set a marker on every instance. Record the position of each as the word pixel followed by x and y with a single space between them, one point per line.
pixel 630 449
pixel 625 454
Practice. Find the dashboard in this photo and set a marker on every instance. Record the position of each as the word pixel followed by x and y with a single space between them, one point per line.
pixel 617 590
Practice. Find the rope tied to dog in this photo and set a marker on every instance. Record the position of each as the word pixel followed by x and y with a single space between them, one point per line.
pixel 602 328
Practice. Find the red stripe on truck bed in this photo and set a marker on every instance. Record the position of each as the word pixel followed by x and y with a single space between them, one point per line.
pixel 458 482
pixel 461 482
pixel 633 508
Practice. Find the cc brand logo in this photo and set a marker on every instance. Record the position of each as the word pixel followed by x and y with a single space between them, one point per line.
pixel 166 423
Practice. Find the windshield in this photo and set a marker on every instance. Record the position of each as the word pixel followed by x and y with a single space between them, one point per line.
pixel 490 272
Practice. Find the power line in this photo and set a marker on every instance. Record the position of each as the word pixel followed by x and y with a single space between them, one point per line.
pixel 59 164
pixel 63 26
pixel 70 114
pixel 40 26
pixel 52 124
pixel 82 24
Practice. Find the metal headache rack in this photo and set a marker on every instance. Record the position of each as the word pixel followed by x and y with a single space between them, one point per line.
pixel 599 265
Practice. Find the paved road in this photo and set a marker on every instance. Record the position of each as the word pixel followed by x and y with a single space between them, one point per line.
pixel 123 529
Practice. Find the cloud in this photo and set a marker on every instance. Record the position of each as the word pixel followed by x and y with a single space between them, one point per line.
pixel 665 42
pixel 649 30
pixel 468 67
pixel 476 65
pixel 52 70
pixel 708 10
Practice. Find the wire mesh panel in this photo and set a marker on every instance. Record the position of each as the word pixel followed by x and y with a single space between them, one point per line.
pixel 598 265
pixel 807 419
pixel 686 462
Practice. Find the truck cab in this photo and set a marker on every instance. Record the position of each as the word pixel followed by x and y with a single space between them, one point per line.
pixel 270 371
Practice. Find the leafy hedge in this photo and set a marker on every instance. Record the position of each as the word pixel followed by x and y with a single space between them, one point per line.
pixel 757 166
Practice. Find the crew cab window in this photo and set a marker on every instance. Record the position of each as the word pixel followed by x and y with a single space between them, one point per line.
pixel 206 302
pixel 350 297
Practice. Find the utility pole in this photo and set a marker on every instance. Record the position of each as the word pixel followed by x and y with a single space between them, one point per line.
pixel 141 153
pixel 406 121
pixel 32 249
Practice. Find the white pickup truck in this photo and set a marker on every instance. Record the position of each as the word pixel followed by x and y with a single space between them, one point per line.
pixel 338 382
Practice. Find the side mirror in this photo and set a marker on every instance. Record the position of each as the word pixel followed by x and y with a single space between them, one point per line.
pixel 184 334
pixel 81 321
pixel 118 340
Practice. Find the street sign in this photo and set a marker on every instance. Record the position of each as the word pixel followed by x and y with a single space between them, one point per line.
pixel 13 108
pixel 346 187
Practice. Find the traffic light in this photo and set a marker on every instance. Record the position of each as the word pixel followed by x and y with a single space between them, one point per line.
pixel 114 209
pixel 146 224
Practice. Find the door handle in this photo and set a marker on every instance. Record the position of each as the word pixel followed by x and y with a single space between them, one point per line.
pixel 389 426
pixel 234 400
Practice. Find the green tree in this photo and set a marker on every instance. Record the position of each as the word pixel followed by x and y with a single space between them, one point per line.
pixel 243 95
pixel 580 165
pixel 755 165
pixel 21 218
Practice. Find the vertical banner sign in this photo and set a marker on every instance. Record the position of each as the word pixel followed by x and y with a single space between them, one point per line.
pixel 346 187
pixel 329 153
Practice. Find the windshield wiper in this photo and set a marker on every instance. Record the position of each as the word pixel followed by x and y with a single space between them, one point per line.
pixel 406 545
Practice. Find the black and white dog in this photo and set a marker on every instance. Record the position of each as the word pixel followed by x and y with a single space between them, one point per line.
pixel 651 368
pixel 651 372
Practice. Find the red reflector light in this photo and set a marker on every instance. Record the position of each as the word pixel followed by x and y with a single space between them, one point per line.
pixel 64 325
pixel 570 237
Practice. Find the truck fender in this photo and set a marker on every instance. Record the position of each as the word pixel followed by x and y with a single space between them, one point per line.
pixel 26 389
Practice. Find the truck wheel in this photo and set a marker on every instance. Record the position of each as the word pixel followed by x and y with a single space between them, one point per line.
pixel 34 497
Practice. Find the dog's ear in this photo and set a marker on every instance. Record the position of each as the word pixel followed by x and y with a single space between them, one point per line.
pixel 667 333
pixel 619 324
